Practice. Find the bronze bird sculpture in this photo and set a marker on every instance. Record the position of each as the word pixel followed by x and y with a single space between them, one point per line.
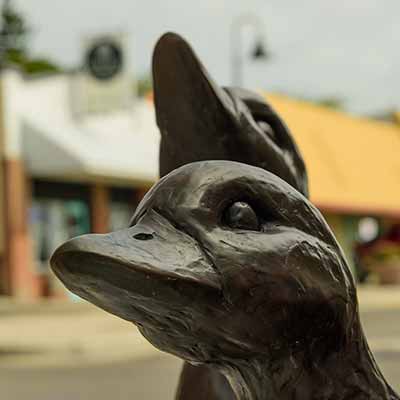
pixel 198 120
pixel 226 264
pixel 194 114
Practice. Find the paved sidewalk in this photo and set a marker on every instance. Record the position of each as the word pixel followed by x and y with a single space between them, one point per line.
pixel 373 298
pixel 75 334
pixel 65 333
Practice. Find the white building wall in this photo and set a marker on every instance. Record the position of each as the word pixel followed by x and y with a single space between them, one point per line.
pixel 42 130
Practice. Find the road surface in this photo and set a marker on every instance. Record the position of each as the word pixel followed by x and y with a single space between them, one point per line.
pixel 155 378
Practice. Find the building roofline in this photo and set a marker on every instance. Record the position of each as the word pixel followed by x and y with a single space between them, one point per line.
pixel 355 210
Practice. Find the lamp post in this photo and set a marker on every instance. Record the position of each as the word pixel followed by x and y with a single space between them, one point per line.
pixel 259 51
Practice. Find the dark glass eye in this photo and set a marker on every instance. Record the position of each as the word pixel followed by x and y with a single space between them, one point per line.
pixel 266 128
pixel 240 215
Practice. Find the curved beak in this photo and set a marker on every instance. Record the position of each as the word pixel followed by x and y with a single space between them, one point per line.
pixel 192 111
pixel 136 272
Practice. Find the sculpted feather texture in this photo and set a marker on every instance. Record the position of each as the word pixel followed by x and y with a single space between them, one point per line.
pixel 271 305
pixel 210 122
pixel 227 265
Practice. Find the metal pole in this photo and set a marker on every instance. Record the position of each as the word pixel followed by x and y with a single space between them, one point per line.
pixel 236 44
pixel 236 55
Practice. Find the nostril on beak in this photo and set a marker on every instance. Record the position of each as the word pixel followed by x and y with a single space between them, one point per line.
pixel 143 236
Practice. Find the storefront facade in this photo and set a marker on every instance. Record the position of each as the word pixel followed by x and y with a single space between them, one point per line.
pixel 60 211
pixel 64 174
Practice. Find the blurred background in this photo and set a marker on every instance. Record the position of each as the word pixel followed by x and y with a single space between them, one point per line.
pixel 79 148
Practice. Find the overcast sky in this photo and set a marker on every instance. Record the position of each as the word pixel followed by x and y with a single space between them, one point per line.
pixel 348 49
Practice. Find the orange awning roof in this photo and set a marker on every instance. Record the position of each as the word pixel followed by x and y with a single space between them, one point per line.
pixel 353 163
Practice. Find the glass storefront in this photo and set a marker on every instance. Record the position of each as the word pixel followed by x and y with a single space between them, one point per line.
pixel 59 211
pixel 122 207
pixel 53 221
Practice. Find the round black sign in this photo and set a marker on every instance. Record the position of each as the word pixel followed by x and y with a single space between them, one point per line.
pixel 104 60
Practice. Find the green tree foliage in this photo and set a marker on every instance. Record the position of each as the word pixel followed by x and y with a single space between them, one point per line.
pixel 14 37
pixel 330 102
pixel 144 85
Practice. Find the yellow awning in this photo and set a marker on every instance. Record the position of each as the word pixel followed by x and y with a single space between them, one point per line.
pixel 353 163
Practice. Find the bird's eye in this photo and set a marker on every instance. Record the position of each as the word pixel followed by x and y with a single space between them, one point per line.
pixel 267 129
pixel 240 215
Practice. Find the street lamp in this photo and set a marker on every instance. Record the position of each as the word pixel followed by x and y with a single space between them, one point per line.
pixel 259 51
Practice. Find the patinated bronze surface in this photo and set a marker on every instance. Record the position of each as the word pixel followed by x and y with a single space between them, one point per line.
pixel 200 121
pixel 228 265
pixel 209 122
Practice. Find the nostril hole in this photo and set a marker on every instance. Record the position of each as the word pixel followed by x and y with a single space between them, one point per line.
pixel 143 236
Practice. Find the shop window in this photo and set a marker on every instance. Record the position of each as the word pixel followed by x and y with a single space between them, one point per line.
pixel 123 205
pixel 59 212
pixel 53 222
pixel 120 215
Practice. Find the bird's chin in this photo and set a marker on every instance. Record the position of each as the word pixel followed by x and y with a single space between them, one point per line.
pixel 170 341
